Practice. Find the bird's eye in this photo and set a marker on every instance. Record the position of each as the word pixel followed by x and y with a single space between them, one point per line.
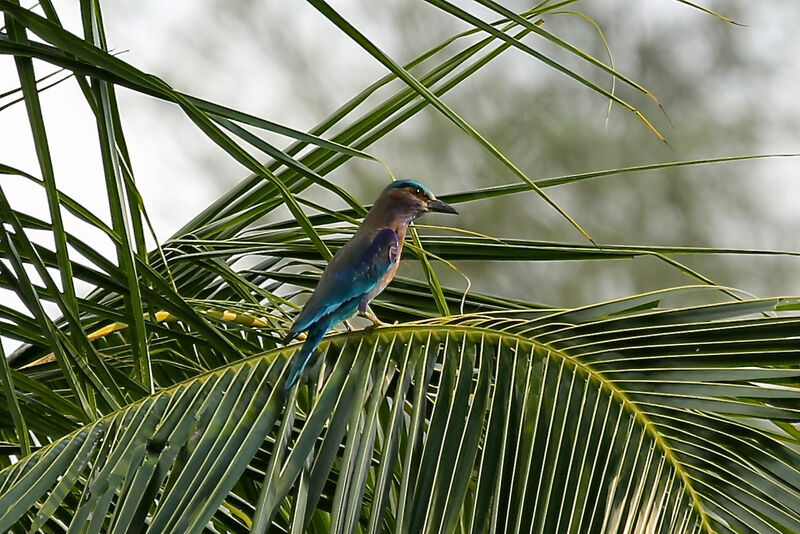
pixel 417 191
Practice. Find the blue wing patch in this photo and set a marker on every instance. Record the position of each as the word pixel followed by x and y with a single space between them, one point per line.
pixel 337 297
pixel 349 281
pixel 375 262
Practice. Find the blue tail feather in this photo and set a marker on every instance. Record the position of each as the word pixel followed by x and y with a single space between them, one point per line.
pixel 301 359
pixel 315 333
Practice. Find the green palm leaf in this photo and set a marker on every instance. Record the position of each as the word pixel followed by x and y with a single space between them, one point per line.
pixel 578 421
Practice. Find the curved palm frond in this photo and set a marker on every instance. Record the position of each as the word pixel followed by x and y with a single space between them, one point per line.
pixel 600 419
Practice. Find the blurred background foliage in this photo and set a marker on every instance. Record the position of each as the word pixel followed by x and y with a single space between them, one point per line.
pixel 727 88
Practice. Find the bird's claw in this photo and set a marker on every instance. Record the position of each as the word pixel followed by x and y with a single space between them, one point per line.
pixel 372 317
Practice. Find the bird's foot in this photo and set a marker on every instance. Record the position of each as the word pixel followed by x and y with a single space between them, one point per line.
pixel 372 317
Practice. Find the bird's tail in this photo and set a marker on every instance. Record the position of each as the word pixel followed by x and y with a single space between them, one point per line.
pixel 302 358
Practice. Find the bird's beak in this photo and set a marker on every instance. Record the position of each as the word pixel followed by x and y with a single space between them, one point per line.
pixel 441 207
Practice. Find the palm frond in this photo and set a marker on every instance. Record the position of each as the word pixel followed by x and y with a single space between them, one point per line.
pixel 594 419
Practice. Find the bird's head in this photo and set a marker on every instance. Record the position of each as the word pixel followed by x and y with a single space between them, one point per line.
pixel 411 199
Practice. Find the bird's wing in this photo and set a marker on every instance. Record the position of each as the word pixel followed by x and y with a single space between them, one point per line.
pixel 373 263
pixel 347 277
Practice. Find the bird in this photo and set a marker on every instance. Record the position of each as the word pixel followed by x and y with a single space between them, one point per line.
pixel 362 268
